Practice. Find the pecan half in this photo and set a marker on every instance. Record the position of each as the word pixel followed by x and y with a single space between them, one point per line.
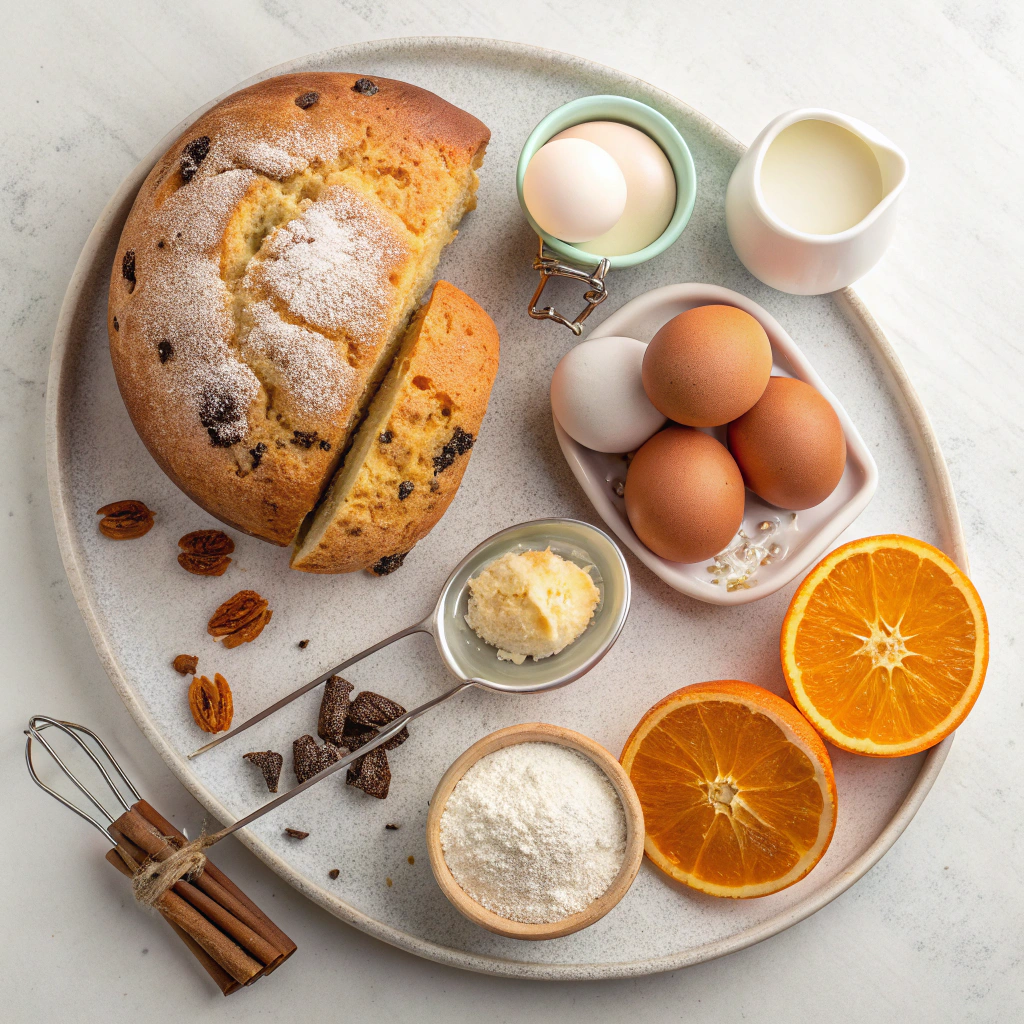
pixel 207 542
pixel 210 703
pixel 185 664
pixel 239 619
pixel 204 565
pixel 205 552
pixel 125 520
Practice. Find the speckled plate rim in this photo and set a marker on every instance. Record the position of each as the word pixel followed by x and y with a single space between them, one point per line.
pixel 916 418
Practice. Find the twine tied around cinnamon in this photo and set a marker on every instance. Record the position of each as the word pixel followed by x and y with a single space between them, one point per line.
pixel 233 940
pixel 154 877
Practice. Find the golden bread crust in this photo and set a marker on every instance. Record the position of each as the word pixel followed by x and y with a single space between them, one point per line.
pixel 265 275
pixel 423 423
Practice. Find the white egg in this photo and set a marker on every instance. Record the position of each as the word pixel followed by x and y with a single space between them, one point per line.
pixel 650 186
pixel 574 190
pixel 598 397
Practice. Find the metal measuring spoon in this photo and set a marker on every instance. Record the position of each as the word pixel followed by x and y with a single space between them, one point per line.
pixel 467 657
pixel 475 663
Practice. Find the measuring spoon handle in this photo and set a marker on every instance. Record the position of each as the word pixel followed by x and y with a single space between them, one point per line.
pixel 392 729
pixel 420 627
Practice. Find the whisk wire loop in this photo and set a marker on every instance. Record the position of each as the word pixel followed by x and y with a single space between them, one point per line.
pixel 37 724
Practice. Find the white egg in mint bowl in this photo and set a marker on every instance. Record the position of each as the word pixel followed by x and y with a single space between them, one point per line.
pixel 774 545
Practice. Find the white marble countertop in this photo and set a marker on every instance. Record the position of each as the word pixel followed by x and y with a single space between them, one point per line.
pixel 933 933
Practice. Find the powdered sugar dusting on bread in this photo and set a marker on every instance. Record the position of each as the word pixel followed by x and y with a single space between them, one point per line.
pixel 275 153
pixel 305 366
pixel 188 293
pixel 331 266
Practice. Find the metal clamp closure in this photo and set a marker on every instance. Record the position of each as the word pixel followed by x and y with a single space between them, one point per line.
pixel 550 267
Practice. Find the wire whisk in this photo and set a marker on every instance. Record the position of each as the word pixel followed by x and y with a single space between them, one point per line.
pixel 231 937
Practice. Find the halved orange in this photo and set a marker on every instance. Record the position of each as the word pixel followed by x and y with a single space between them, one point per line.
pixel 737 789
pixel 885 646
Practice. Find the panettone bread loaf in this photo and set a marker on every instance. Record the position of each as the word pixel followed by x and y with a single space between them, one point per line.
pixel 266 274
pixel 408 457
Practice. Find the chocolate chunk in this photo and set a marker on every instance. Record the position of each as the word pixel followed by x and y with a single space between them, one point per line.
pixel 117 326
pixel 192 156
pixel 386 437
pixel 307 99
pixel 334 710
pixel 303 644
pixel 365 87
pixel 165 350
pixel 459 443
pixel 405 488
pixel 354 738
pixel 308 758
pixel 371 774
pixel 325 446
pixel 296 833
pixel 257 454
pixel 219 414
pixel 304 438
pixel 160 244
pixel 370 709
pixel 128 268
pixel 270 763
pixel 333 873
pixel 388 564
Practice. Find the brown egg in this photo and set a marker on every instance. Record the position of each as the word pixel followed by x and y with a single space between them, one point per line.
pixel 684 495
pixel 790 446
pixel 707 366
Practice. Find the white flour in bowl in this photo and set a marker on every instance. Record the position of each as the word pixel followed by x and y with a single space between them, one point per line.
pixel 534 832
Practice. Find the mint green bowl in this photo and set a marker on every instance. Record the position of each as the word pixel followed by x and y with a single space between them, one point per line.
pixel 636 115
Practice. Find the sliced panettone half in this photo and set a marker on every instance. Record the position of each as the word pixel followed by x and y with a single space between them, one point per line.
pixel 408 457
pixel 265 277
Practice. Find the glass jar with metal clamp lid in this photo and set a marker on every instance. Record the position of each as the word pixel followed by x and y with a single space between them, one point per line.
pixel 557 258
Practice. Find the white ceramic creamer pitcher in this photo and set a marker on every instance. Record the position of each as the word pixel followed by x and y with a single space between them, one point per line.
pixel 796 259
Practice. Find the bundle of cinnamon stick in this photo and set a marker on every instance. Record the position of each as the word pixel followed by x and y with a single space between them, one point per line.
pixel 228 934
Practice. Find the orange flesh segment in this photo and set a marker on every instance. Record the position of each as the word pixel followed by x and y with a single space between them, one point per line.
pixel 769 805
pixel 886 647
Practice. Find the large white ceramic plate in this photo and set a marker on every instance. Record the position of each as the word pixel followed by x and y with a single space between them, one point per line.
pixel 800 538
pixel 142 609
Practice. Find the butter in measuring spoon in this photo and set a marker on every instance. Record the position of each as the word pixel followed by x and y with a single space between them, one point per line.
pixel 531 604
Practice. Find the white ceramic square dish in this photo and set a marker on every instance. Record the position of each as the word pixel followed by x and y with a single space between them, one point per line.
pixel 795 540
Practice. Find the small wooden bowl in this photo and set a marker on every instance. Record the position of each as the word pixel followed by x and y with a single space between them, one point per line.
pixel 537 732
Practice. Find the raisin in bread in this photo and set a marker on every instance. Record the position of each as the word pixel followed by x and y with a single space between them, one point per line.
pixel 408 457
pixel 266 274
